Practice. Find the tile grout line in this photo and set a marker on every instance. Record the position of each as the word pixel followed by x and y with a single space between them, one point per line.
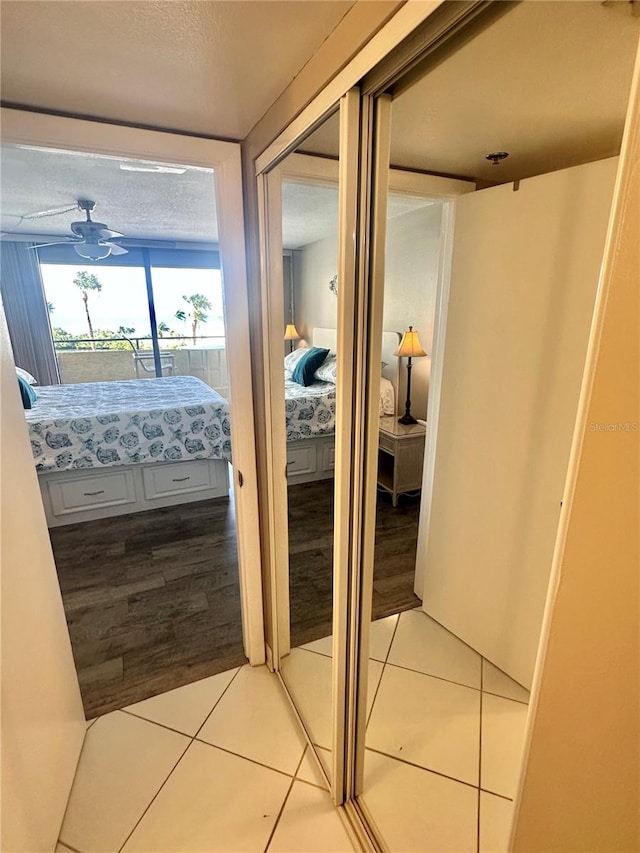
pixel 387 662
pixel 155 796
pixel 282 807
pixel 473 650
pixel 67 846
pixel 508 698
pixel 243 757
pixel 384 666
pixel 215 704
pixel 191 741
pixel 153 722
pixel 426 769
pixel 307 748
pixel 438 677
pixel 444 628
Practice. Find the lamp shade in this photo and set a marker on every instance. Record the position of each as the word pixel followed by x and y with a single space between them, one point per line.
pixel 291 333
pixel 410 346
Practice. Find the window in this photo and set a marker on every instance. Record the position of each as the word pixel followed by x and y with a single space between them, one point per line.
pixel 107 318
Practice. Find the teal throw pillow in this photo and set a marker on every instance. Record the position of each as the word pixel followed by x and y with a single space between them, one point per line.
pixel 308 364
pixel 27 392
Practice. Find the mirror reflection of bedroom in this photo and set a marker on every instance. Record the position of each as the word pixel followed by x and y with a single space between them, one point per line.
pixel 511 284
pixel 111 283
pixel 449 682
pixel 309 192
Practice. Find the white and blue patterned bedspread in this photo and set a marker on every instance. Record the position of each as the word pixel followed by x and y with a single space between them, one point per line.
pixel 309 411
pixel 99 424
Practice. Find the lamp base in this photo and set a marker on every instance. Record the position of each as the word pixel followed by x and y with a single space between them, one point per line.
pixel 407 419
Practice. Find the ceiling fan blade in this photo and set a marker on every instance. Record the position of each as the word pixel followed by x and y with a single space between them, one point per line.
pixel 115 249
pixel 107 234
pixel 55 243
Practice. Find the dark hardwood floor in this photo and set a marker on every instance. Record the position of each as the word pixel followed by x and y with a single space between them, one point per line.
pixel 152 599
pixel 311 559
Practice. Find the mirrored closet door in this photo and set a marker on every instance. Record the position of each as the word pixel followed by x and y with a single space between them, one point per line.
pixel 490 296
pixel 476 171
pixel 309 287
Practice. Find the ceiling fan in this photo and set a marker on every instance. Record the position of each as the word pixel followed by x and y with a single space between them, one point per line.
pixel 92 240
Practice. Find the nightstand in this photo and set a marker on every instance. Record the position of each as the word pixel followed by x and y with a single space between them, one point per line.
pixel 400 455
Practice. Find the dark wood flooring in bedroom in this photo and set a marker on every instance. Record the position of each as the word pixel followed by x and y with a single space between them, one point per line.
pixel 152 599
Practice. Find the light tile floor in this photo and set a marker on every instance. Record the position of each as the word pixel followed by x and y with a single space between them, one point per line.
pixel 444 739
pixel 200 768
pixel 218 765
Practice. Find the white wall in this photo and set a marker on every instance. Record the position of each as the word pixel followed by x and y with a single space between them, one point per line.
pixel 313 268
pixel 524 275
pixel 411 275
pixel 581 786
pixel 42 718
pixel 411 278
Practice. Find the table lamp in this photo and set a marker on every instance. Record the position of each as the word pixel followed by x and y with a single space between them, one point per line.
pixel 410 347
pixel 291 335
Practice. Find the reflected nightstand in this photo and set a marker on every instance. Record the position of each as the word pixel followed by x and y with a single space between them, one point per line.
pixel 400 455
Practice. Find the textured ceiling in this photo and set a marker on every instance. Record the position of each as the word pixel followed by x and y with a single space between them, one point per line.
pixel 146 205
pixel 203 66
pixel 310 212
pixel 139 204
pixel 548 82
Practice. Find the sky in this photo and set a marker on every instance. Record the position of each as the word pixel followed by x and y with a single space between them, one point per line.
pixel 123 298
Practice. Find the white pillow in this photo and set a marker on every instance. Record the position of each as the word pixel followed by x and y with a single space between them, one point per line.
pixel 292 359
pixel 24 374
pixel 327 370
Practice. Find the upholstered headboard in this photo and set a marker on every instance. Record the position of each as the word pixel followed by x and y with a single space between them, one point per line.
pixel 390 340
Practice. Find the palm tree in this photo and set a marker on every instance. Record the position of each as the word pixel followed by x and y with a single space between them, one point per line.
pixel 163 329
pixel 199 304
pixel 87 281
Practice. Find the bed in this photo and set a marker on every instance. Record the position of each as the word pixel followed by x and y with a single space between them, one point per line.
pixel 310 411
pixel 102 424
pixel 109 448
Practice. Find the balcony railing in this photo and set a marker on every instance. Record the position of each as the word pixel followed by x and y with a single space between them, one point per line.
pixel 135 343
pixel 85 359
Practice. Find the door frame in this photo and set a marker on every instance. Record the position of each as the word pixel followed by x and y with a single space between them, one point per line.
pixel 24 128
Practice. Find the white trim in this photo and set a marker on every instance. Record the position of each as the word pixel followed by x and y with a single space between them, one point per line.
pixel 403 23
pixel 421 184
pixel 228 183
pixel 309 168
pixel 374 196
pixel 34 129
pixel 272 297
pixel 435 391
pixel 347 270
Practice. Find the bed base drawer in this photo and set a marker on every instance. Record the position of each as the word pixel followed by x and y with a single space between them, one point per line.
pixel 301 459
pixel 90 492
pixel 161 481
pixel 70 497
pixel 310 459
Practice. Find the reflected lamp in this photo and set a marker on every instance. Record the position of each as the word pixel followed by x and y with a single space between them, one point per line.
pixel 291 334
pixel 410 347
